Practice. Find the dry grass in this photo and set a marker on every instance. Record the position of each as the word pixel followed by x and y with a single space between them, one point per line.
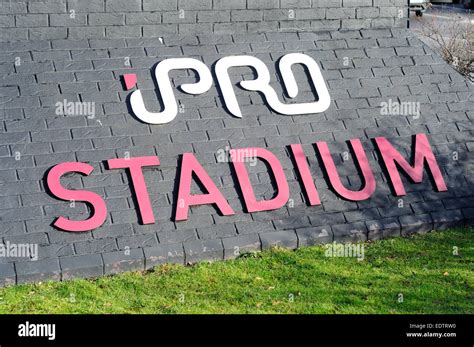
pixel 453 39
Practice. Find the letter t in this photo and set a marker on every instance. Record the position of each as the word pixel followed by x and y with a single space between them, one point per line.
pixel 135 166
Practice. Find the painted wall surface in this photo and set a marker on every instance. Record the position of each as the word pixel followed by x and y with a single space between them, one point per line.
pixel 382 82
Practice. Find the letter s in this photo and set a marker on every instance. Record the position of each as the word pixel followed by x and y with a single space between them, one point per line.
pixel 54 184
pixel 170 106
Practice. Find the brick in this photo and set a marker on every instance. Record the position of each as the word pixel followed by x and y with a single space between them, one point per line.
pixel 17 214
pixel 208 250
pixel 177 236
pixel 254 227
pixel 229 5
pixel 7 274
pixel 7 34
pixel 128 31
pixel 57 236
pixel 447 219
pixel 85 266
pixel 195 4
pixel 143 18
pixel 164 5
pixel 261 4
pixel 295 3
pixel 190 136
pixel 11 8
pixel 80 33
pixel 115 230
pixel 47 7
pixel 213 16
pixel 123 6
pixel 239 245
pixel 55 77
pixel 18 188
pixel 217 231
pixel 180 17
pixel 285 239
pixel 107 19
pixel 314 235
pixel 411 224
pixel 246 15
pixel 38 271
pixel 55 250
pixel 195 28
pixel 159 30
pixel 304 15
pixel 65 20
pixel 423 207
pixel 13 228
pixel 161 254
pixel 351 232
pixel 107 244
pixel 8 202
pixel 291 222
pixel 25 124
pixel 383 228
pixel 120 261
pixel 356 3
pixel 365 12
pixel 361 215
pixel 135 241
pixel 79 6
pixel 31 20
pixel 355 24
pixel 340 13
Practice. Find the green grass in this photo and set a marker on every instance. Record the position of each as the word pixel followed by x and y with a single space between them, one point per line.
pixel 422 268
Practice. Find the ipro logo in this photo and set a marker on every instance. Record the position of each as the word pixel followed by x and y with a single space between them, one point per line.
pixel 221 70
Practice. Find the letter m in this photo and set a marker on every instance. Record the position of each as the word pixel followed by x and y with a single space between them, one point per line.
pixel 423 154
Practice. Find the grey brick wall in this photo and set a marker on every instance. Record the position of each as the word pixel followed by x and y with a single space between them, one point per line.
pixel 100 19
pixel 363 67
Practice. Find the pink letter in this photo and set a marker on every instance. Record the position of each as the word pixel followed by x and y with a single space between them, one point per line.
pixel 423 152
pixel 238 156
pixel 303 169
pixel 138 181
pixel 334 178
pixel 130 80
pixel 189 166
pixel 53 182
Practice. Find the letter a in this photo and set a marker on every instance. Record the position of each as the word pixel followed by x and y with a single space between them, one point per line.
pixel 189 166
